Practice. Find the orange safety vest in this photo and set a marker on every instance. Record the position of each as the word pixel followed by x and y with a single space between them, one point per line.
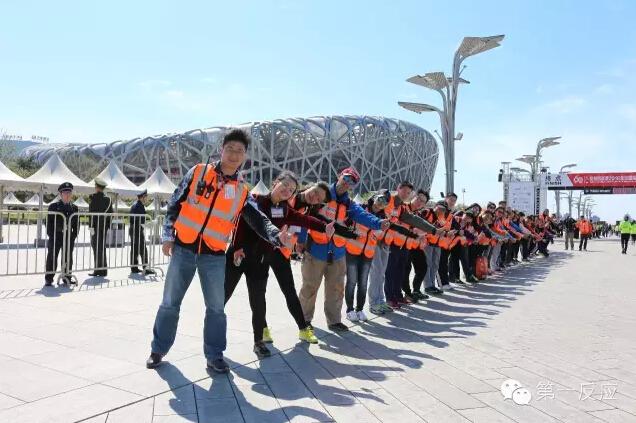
pixel 332 211
pixel 445 224
pixel 393 213
pixel 413 243
pixel 214 213
pixel 365 243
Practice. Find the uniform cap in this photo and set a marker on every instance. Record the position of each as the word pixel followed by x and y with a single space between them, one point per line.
pixel 99 182
pixel 66 186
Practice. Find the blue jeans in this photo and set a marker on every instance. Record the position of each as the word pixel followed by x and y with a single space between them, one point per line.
pixel 181 270
pixel 376 275
pixel 357 277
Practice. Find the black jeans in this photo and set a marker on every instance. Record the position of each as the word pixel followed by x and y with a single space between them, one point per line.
pixel 459 254
pixel 53 248
pixel 417 259
pixel 256 272
pixel 98 243
pixel 138 249
pixel 442 270
pixel 583 242
pixel 625 241
pixel 394 274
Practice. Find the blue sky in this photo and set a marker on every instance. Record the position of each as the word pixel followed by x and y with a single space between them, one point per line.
pixel 84 72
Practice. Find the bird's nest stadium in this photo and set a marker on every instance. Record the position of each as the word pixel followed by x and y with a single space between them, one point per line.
pixel 385 151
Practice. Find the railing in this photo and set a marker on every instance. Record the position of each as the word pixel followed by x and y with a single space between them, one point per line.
pixel 21 251
pixel 84 242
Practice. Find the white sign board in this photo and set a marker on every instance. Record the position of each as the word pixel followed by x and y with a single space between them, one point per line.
pixel 521 196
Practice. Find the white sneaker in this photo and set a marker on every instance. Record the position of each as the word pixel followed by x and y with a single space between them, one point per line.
pixel 448 287
pixel 362 317
pixel 352 316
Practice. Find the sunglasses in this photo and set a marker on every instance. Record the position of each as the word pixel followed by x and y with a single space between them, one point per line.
pixel 350 180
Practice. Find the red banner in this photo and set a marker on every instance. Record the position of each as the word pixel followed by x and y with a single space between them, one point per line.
pixel 602 180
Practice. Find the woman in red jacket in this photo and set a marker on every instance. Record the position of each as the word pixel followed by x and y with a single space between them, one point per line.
pixel 249 256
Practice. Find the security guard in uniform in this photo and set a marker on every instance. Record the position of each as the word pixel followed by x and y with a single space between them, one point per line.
pixel 56 231
pixel 99 203
pixel 137 235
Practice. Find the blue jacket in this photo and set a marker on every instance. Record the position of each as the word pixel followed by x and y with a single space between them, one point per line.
pixel 354 212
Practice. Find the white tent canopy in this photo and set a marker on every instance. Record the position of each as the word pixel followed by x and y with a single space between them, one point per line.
pixel 260 189
pixel 10 180
pixel 117 181
pixel 11 201
pixel 81 203
pixel 53 173
pixel 158 184
pixel 121 205
pixel 34 202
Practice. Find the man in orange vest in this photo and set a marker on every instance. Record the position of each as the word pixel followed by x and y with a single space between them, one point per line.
pixel 201 217
pixel 585 230
pixel 325 256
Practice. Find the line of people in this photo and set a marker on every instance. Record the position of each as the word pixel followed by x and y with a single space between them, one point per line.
pixel 214 226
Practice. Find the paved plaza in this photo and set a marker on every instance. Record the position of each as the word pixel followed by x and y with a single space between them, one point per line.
pixel 563 327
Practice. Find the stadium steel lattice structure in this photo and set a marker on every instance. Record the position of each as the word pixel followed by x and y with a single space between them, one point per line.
pixel 385 151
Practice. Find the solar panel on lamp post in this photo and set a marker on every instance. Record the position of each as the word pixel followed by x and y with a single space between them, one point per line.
pixel 447 87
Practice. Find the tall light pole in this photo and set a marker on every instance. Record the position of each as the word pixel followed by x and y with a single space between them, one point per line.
pixel 557 193
pixel 447 87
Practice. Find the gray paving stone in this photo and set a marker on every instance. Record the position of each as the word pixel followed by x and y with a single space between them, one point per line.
pixel 141 412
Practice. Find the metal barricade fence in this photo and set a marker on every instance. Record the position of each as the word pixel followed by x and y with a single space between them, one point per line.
pixel 22 252
pixel 156 254
pixel 110 241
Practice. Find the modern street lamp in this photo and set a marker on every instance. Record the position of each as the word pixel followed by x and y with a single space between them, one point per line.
pixel 557 193
pixel 447 87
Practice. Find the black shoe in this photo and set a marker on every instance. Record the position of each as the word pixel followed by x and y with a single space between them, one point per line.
pixel 97 274
pixel 261 350
pixel 434 291
pixel 132 270
pixel 153 361
pixel 218 365
pixel 149 272
pixel 50 283
pixel 412 298
pixel 420 296
pixel 472 278
pixel 338 327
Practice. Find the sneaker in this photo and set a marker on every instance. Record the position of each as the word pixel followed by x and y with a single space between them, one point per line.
pixel 261 350
pixel 405 301
pixel 338 327
pixel 153 361
pixel 386 307
pixel 307 335
pixel 267 336
pixel 410 299
pixel 134 270
pixel 433 291
pixel 472 278
pixel 218 365
pixel 50 283
pixel 352 316
pixel 362 317
pixel 394 305
pixel 149 272
pixel 420 296
pixel 447 287
pixel 377 309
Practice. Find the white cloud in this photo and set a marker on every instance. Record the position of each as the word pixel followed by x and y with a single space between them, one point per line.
pixel 604 89
pixel 628 111
pixel 566 104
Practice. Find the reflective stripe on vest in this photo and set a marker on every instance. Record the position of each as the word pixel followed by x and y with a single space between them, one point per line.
pixel 218 212
pixel 329 211
pixel 365 243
